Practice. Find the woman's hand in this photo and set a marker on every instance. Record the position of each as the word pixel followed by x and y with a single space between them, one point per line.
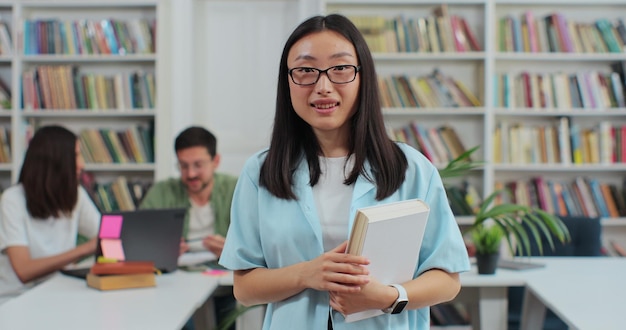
pixel 184 247
pixel 215 244
pixel 332 271
pixel 89 247
pixel 373 295
pixel 337 271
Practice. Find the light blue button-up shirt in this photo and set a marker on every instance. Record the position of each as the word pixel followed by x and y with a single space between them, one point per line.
pixel 269 232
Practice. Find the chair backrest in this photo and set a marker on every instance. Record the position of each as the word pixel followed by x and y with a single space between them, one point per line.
pixel 586 239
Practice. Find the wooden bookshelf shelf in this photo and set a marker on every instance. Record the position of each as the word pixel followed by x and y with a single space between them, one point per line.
pixel 89 58
pixel 88 113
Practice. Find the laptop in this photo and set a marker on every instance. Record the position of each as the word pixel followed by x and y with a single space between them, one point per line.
pixel 146 235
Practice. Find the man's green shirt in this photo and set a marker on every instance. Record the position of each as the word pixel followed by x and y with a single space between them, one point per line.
pixel 171 193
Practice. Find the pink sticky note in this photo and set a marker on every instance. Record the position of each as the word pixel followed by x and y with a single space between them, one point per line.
pixel 111 226
pixel 215 272
pixel 112 249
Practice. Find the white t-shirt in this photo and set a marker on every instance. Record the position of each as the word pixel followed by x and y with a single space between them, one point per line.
pixel 43 237
pixel 333 198
pixel 201 225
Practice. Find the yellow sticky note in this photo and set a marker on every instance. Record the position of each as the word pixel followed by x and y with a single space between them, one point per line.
pixel 102 260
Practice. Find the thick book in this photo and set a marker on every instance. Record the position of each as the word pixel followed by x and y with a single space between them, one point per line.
pixel 117 282
pixel 390 236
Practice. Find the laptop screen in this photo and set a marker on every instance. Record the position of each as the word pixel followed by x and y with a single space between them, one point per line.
pixel 149 235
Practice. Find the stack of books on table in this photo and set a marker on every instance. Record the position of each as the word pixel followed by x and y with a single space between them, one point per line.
pixel 122 275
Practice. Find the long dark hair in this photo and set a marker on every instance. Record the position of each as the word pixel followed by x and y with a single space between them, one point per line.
pixel 48 173
pixel 293 138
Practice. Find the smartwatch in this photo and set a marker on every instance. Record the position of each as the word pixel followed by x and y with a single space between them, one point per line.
pixel 400 303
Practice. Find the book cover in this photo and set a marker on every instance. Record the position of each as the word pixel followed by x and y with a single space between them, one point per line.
pixel 390 235
pixel 471 37
pixel 123 267
pixel 421 93
pixel 422 139
pixel 598 198
pixel 460 40
pixel 618 198
pixel 117 282
pixel 529 19
pixel 452 141
pixel 610 201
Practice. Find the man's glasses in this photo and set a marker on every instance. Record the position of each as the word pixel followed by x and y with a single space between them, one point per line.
pixel 338 74
pixel 184 167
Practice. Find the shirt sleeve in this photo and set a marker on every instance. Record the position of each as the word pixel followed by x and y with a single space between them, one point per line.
pixel 444 247
pixel 243 249
pixel 88 215
pixel 151 199
pixel 13 217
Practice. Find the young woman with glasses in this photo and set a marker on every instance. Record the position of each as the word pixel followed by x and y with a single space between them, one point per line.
pixel 329 155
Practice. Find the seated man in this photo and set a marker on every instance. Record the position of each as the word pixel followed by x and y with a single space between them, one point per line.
pixel 205 193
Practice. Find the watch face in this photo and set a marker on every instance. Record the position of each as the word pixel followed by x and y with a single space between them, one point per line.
pixel 399 307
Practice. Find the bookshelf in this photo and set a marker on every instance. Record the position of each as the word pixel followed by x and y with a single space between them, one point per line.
pixel 484 72
pixel 433 63
pixel 574 59
pixel 91 66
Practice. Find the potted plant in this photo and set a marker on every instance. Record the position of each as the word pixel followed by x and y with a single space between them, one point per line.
pixel 487 240
pixel 517 223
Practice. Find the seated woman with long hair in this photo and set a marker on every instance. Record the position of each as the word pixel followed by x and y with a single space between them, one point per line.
pixel 41 216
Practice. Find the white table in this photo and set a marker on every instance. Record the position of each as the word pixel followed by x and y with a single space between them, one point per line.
pixel 586 293
pixel 67 303
pixel 486 296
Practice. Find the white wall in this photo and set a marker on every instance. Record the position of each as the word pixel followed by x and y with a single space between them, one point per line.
pixel 224 66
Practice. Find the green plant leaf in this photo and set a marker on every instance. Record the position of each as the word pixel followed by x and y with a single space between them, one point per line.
pixel 460 165
pixel 518 222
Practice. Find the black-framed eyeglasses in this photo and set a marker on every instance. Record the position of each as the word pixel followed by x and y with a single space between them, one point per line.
pixel 338 74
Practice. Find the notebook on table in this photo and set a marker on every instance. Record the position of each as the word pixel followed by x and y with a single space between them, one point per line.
pixel 141 235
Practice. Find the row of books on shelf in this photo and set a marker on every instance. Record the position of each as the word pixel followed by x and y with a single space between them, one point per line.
pixel 563 91
pixel 106 36
pixel 6 42
pixel 106 146
pixel 560 143
pixel 119 195
pixel 64 87
pixel 439 144
pixel 581 196
pixel 439 32
pixel 430 91
pixel 555 33
pixel 585 197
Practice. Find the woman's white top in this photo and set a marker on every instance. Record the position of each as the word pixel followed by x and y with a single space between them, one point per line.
pixel 43 238
pixel 332 199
